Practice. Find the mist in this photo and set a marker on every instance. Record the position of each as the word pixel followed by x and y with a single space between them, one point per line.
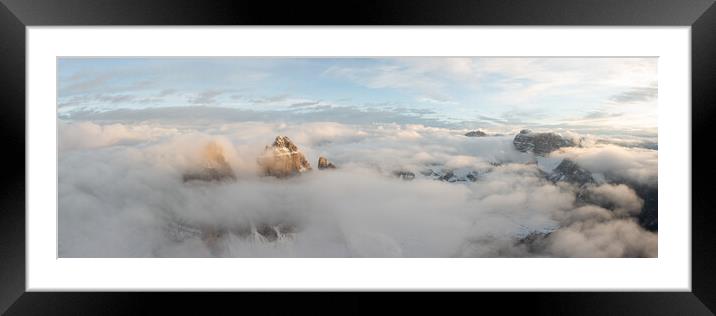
pixel 121 194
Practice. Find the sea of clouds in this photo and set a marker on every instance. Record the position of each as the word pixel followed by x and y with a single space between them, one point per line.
pixel 121 194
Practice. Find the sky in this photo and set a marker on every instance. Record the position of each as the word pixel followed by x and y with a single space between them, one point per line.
pixel 571 93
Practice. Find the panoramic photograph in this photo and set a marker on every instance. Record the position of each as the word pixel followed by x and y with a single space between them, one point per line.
pixel 357 157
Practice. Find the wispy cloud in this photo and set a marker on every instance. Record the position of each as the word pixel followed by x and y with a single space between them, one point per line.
pixel 562 89
pixel 205 97
pixel 193 114
pixel 429 78
pixel 166 92
pixel 121 192
pixel 638 94
pixel 304 104
pixel 270 99
pixel 115 98
pixel 601 115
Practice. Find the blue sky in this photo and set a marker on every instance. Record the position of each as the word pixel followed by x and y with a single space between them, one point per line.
pixel 578 92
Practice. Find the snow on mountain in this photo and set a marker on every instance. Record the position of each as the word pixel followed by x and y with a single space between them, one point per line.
pixel 569 171
pixel 283 159
pixel 451 175
pixel 548 164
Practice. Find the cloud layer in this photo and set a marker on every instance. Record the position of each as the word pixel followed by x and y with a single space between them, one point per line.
pixel 121 195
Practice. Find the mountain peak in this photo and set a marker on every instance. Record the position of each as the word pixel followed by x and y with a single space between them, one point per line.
pixel 323 163
pixel 540 143
pixel 284 142
pixel 283 159
pixel 571 172
pixel 476 133
pixel 215 167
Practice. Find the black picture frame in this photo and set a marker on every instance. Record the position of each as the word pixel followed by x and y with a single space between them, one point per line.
pixel 15 15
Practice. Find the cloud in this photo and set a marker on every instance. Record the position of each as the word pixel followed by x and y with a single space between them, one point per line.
pixel 166 92
pixel 85 83
pixel 121 195
pixel 529 83
pixel 429 78
pixel 96 98
pixel 82 135
pixel 639 94
pixel 571 92
pixel 618 238
pixel 102 82
pixel 601 115
pixel 633 164
pixel 115 98
pixel 622 197
pixel 206 97
pixel 271 99
pixel 425 99
pixel 72 102
pixel 304 104
pixel 215 114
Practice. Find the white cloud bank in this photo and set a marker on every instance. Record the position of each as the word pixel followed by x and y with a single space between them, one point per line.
pixel 121 194
pixel 632 164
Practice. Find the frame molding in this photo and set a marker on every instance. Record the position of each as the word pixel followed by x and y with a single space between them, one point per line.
pixel 15 15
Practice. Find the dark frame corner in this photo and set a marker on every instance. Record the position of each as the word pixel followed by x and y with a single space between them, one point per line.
pixel 16 15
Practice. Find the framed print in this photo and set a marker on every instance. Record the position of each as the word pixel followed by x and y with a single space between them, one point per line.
pixel 460 147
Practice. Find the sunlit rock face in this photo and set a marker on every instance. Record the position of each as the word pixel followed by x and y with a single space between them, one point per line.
pixel 323 163
pixel 540 143
pixel 214 166
pixel 283 159
pixel 477 133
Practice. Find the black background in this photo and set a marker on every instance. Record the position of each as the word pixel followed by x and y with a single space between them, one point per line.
pixel 16 14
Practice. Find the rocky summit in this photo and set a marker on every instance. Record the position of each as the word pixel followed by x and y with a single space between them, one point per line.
pixel 452 175
pixel 477 133
pixel 404 175
pixel 540 143
pixel 215 167
pixel 283 159
pixel 569 171
pixel 323 163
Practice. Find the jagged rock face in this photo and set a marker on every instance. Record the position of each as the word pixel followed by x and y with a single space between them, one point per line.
pixel 283 159
pixel 649 216
pixel 452 175
pixel 476 134
pixel 540 143
pixel 323 163
pixel 569 171
pixel 404 175
pixel 215 167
